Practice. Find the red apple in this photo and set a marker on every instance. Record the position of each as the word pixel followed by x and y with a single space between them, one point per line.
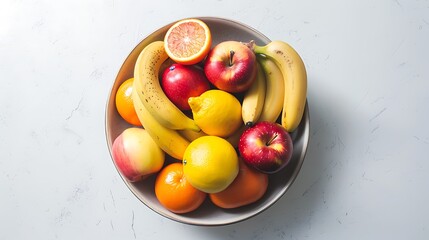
pixel 266 146
pixel 136 155
pixel 231 66
pixel 181 82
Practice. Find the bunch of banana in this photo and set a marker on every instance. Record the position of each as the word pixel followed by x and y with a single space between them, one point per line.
pixel 169 140
pixel 151 94
pixel 158 115
pixel 275 90
pixel 286 78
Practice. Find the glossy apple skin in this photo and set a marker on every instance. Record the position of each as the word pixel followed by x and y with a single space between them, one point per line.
pixel 231 72
pixel 136 155
pixel 266 147
pixel 181 82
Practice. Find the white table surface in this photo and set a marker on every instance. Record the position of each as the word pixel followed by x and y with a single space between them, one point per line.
pixel 366 171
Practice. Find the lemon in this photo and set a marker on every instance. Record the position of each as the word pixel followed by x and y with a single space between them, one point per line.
pixel 210 164
pixel 216 112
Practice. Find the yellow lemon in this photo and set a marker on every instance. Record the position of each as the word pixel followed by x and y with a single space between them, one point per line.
pixel 216 112
pixel 210 164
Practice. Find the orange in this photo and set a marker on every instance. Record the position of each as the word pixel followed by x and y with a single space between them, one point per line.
pixel 188 41
pixel 124 103
pixel 248 187
pixel 174 192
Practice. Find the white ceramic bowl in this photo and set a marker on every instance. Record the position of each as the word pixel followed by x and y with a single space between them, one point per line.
pixel 207 214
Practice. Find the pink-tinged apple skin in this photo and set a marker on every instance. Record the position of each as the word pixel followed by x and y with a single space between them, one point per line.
pixel 181 82
pixel 231 66
pixel 136 155
pixel 266 147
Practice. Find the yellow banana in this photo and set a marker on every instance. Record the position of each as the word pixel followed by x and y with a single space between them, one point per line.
pixel 169 140
pixel 191 135
pixel 274 95
pixel 254 98
pixel 295 80
pixel 146 72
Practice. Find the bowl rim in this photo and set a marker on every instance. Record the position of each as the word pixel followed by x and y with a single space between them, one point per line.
pixel 232 220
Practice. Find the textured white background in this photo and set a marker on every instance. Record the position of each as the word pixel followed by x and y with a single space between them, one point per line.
pixel 366 172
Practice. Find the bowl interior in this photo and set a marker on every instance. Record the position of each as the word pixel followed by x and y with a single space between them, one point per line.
pixel 207 214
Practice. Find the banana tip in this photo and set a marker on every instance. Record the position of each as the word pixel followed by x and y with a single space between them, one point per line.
pixel 249 124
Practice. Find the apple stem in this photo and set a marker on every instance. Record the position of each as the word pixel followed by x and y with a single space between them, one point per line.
pixel 250 44
pixel 231 54
pixel 271 140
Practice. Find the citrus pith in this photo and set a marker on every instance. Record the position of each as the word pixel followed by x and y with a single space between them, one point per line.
pixel 188 41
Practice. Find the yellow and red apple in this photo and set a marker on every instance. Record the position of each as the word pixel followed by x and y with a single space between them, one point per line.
pixel 180 82
pixel 231 66
pixel 136 155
